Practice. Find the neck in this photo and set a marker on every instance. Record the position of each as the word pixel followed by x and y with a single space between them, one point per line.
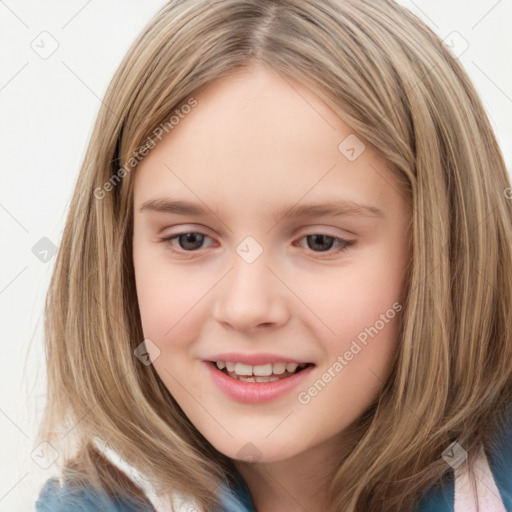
pixel 295 484
pixel 273 489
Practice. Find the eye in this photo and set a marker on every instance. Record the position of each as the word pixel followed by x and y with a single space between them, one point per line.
pixel 188 242
pixel 321 243
pixel 326 242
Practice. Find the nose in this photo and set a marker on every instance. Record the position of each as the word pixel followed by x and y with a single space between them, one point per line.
pixel 251 297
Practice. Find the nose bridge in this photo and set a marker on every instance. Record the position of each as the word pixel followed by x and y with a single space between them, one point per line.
pixel 251 293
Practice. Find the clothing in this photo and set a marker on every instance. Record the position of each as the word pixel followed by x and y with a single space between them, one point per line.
pixel 493 471
pixel 53 498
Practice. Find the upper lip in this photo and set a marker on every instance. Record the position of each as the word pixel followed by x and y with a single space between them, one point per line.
pixel 254 359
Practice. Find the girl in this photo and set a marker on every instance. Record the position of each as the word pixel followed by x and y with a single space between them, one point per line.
pixel 203 346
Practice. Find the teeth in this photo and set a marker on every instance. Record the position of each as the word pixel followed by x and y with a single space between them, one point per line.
pixel 266 379
pixel 255 379
pixel 263 370
pixel 278 368
pixel 243 369
pixel 291 367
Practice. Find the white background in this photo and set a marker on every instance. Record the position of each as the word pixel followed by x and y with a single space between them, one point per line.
pixel 47 109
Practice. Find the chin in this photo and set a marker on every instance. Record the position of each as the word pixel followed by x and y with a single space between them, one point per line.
pixel 256 451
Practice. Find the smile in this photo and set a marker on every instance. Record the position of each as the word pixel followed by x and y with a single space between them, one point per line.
pixel 244 383
pixel 259 373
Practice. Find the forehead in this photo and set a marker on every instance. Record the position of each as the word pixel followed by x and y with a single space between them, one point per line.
pixel 258 135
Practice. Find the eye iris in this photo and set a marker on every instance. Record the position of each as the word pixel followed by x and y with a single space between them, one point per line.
pixel 321 244
pixel 192 238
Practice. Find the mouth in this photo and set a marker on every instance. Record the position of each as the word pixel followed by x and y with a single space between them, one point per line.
pixel 270 372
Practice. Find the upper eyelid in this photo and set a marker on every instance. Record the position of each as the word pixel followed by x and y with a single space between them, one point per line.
pixel 319 231
pixel 312 229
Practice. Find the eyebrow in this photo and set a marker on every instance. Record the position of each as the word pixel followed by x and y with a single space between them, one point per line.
pixel 329 208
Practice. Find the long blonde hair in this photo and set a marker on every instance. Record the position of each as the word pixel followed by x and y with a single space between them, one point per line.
pixel 390 78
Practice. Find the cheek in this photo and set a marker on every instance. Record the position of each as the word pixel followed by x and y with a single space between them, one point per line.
pixel 172 303
pixel 349 299
pixel 162 296
pixel 359 346
pixel 153 298
pixel 356 317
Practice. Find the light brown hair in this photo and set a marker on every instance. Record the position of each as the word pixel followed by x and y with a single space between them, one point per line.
pixel 391 79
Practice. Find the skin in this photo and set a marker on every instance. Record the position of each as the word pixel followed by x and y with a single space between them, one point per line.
pixel 254 144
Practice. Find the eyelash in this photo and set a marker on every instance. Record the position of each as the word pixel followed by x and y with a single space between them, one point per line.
pixel 346 244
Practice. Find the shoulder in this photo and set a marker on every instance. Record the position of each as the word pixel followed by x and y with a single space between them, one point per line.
pixel 54 498
pixel 493 472
pixel 499 455
pixel 237 498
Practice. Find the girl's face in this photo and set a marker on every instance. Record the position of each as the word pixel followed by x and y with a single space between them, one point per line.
pixel 250 284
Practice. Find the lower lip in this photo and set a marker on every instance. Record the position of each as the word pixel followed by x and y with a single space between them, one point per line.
pixel 256 392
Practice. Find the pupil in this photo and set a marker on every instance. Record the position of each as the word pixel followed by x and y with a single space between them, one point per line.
pixel 322 241
pixel 191 238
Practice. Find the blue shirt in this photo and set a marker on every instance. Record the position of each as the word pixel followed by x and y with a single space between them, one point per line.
pixel 53 498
